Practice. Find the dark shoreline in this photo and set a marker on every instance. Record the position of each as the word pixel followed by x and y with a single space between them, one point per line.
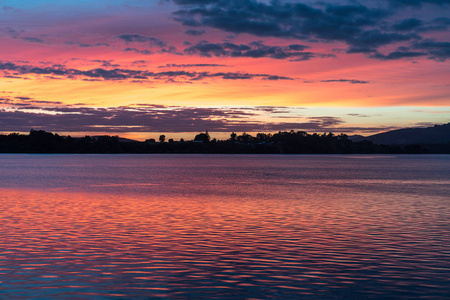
pixel 41 142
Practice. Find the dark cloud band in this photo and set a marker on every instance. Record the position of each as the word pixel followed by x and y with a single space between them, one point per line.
pixel 364 29
pixel 152 118
pixel 128 74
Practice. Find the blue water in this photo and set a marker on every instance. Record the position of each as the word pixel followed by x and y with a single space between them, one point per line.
pixel 224 227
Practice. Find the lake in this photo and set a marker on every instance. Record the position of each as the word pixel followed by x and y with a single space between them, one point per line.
pixel 224 226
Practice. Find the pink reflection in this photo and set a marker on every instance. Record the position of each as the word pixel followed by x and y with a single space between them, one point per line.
pixel 100 244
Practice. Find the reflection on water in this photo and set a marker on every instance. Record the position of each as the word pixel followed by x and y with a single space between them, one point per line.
pixel 224 227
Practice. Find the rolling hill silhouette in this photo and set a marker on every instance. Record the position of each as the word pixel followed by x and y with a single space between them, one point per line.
pixel 438 134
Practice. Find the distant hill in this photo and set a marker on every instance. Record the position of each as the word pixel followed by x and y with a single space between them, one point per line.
pixel 439 134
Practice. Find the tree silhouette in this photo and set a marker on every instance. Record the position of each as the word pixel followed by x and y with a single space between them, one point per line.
pixel 233 137
pixel 202 137
pixel 288 142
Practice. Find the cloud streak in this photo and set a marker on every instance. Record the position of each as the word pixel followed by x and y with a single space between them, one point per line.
pixel 352 81
pixel 147 118
pixel 159 118
pixel 130 74
pixel 251 50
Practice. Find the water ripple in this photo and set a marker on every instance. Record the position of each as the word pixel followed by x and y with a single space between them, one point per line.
pixel 313 241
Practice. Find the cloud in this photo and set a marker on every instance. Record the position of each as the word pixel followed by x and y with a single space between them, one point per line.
pixel 437 50
pixel 252 50
pixel 137 38
pixel 25 101
pixel 153 42
pixel 398 55
pixel 352 81
pixel 418 3
pixel 194 32
pixel 129 74
pixel 148 52
pixel 358 115
pixel 33 40
pixel 326 121
pixel 17 34
pixel 407 24
pixel 373 39
pixel 191 65
pixel 12 32
pixel 7 8
pixel 85 45
pixel 143 52
pixel 106 63
pixel 438 24
pixel 364 29
pixel 280 19
pixel 154 118
pixel 275 77
pixel 421 26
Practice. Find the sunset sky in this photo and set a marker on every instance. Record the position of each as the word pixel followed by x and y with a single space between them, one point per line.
pixel 140 68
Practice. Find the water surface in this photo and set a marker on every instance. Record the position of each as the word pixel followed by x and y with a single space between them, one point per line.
pixel 224 226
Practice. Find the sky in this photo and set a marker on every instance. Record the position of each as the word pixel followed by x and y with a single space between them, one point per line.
pixel 140 68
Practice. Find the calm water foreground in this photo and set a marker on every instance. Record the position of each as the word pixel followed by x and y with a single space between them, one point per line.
pixel 224 227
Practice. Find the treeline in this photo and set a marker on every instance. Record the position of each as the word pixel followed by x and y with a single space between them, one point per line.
pixel 279 143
